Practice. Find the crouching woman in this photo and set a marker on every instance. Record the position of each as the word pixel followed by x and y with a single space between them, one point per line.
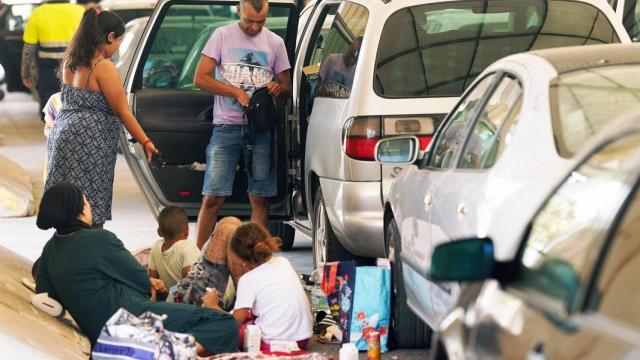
pixel 269 292
pixel 92 275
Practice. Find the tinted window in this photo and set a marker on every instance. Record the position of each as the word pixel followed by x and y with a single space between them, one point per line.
pixel 583 102
pixel 489 132
pixel 567 234
pixel 337 51
pixel 177 44
pixel 450 141
pixel 438 49
pixel 631 18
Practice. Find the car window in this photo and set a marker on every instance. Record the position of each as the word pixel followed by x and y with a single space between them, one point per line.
pixel 616 292
pixel 584 101
pixel 567 234
pixel 437 49
pixel 489 135
pixel 177 44
pixel 631 18
pixel 337 51
pixel 457 126
pixel 17 16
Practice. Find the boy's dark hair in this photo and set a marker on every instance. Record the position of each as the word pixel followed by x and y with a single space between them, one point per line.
pixel 93 31
pixel 253 243
pixel 172 221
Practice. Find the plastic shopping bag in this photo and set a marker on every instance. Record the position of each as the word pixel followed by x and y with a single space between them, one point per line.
pixel 126 336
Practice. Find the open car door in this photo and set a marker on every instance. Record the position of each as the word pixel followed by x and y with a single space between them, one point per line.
pixel 178 117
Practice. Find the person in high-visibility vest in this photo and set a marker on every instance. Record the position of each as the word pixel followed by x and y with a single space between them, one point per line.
pixel 46 36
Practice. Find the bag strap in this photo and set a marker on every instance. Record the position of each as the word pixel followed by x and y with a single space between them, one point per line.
pixel 248 144
pixel 328 284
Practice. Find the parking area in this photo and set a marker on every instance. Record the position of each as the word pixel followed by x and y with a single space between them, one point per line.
pixel 22 141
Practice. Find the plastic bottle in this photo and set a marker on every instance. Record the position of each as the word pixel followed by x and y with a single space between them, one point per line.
pixel 348 352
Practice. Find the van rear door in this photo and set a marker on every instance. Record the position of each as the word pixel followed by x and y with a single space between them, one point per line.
pixel 178 117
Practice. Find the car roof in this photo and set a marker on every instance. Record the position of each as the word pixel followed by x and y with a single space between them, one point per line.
pixel 574 58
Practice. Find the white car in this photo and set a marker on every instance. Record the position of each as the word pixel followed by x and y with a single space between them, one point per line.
pixel 495 158
pixel 411 60
pixel 572 290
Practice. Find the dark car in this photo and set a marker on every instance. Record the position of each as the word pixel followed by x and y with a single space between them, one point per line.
pixel 12 25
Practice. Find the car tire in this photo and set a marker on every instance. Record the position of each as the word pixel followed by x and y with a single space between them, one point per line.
pixel 285 232
pixel 407 330
pixel 325 245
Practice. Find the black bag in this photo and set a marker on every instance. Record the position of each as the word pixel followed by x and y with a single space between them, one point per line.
pixel 261 112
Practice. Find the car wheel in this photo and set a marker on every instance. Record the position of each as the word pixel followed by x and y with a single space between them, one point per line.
pixel 285 232
pixel 407 331
pixel 326 246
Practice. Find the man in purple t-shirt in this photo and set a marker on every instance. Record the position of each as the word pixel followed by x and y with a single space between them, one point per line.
pixel 245 56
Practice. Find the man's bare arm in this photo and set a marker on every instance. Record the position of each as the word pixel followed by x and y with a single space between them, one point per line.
pixel 282 86
pixel 204 80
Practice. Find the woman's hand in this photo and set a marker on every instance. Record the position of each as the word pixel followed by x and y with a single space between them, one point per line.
pixel 210 300
pixel 158 285
pixel 149 149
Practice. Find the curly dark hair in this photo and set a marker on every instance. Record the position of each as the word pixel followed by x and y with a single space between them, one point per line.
pixel 253 243
pixel 93 31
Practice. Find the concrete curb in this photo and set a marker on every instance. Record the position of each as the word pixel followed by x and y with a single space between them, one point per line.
pixel 16 190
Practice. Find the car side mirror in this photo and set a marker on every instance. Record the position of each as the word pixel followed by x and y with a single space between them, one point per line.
pixel 463 260
pixel 401 150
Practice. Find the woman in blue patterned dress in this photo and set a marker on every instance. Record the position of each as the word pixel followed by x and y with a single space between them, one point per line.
pixel 83 143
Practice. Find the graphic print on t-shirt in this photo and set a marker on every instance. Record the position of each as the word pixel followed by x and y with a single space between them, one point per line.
pixel 247 69
pixel 339 84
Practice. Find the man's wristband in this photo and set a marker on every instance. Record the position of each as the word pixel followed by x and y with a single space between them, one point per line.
pixel 144 143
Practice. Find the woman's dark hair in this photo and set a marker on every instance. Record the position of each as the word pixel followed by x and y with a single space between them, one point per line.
pixel 60 206
pixel 253 243
pixel 95 27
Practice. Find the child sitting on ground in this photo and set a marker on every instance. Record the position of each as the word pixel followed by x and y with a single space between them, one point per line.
pixel 172 256
pixel 211 268
pixel 269 290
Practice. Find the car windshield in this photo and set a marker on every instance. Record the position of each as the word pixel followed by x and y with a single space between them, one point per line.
pixel 178 43
pixel 584 101
pixel 438 49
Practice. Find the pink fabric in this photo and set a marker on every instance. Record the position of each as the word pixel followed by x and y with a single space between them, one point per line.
pixel 266 347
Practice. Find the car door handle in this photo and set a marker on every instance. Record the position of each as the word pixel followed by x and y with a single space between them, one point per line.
pixel 461 209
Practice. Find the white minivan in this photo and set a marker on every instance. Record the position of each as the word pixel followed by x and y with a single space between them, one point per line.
pixel 411 61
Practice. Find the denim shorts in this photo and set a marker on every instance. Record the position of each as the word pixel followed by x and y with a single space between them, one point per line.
pixel 223 153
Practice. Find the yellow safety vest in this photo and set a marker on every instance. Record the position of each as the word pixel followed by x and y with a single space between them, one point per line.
pixel 52 26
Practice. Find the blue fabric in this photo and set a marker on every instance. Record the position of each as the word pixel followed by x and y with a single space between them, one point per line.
pixel 223 153
pixel 123 350
pixel 371 305
pixel 82 148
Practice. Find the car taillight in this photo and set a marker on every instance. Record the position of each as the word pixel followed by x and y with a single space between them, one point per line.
pixel 360 136
pixel 422 126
